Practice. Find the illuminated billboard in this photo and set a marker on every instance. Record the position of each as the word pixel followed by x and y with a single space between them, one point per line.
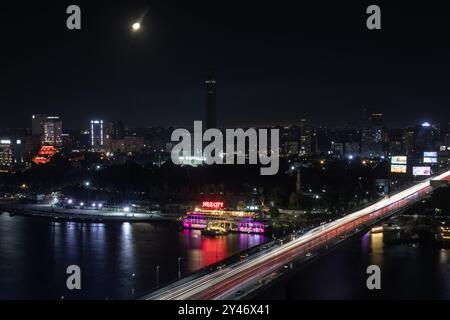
pixel 398 168
pixel 213 204
pixel 429 160
pixel 430 157
pixel 421 171
pixel 399 160
pixel 430 154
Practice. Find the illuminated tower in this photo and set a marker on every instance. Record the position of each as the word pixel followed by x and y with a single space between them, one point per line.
pixel 97 135
pixel 210 85
pixel 305 136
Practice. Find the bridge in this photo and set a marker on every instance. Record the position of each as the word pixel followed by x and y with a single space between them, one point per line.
pixel 239 279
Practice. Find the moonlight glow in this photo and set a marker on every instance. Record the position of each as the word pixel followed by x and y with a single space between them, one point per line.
pixel 136 26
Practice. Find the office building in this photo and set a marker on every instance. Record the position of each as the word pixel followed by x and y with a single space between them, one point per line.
pixel 97 135
pixel 37 124
pixel 11 154
pixel 210 84
pixel 52 135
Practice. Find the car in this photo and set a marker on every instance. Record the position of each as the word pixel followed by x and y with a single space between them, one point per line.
pixel 244 255
pixel 239 293
pixel 309 254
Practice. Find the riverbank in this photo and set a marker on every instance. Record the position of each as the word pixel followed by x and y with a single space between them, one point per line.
pixel 56 213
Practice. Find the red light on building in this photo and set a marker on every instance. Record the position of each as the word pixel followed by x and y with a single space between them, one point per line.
pixel 47 151
pixel 45 155
pixel 212 204
pixel 40 160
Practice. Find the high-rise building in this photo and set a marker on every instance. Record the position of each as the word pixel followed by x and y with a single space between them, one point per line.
pixel 97 135
pixel 305 136
pixel 372 134
pixel 52 135
pixel 115 130
pixel 11 154
pixel 210 84
pixel 427 137
pixel 37 124
pixel 374 117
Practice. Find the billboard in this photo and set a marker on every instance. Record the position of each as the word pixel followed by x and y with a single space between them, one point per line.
pixel 421 171
pixel 430 154
pixel 398 168
pixel 399 160
pixel 429 160
pixel 212 204
pixel 430 157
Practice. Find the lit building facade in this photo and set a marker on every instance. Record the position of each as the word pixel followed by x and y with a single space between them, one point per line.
pixel 52 132
pixel 97 135
pixel 305 136
pixel 11 154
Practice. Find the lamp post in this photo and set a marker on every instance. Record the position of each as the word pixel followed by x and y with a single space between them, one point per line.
pixel 157 276
pixel 179 267
pixel 133 276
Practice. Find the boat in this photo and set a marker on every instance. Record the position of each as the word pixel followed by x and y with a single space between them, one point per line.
pixel 214 215
pixel 376 230
pixel 214 231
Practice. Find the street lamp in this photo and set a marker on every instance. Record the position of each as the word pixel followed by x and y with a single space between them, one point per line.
pixel 133 276
pixel 179 267
pixel 157 276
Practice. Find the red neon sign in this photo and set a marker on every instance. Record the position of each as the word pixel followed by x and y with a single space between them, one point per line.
pixel 212 204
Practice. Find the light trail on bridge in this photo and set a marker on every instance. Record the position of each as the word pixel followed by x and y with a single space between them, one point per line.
pixel 225 283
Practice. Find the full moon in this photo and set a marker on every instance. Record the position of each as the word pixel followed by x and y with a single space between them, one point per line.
pixel 136 26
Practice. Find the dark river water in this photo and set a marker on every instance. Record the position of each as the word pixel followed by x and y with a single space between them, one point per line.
pixel 35 254
pixel 408 271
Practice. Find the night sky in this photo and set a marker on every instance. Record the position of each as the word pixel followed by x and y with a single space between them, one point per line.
pixel 274 61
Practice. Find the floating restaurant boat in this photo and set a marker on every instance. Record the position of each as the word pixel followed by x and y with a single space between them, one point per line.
pixel 377 230
pixel 214 231
pixel 213 216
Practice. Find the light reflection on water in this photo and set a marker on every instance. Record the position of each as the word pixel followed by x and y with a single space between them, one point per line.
pixel 36 252
pixel 408 271
pixel 376 244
